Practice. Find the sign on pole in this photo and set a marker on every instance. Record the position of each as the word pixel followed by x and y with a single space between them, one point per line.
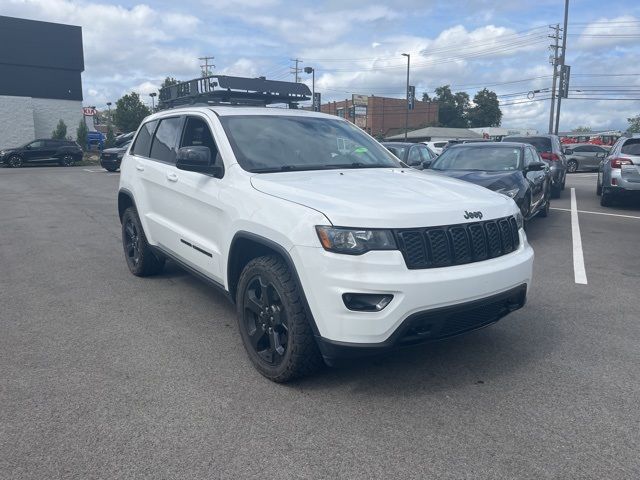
pixel 565 73
pixel 316 102
pixel 412 97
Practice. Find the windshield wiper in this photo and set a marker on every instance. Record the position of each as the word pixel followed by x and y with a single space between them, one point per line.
pixel 356 165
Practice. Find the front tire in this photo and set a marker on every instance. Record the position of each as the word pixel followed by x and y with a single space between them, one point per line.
pixel 273 322
pixel 141 260
pixel 66 161
pixel 598 187
pixel 110 169
pixel 572 166
pixel 15 161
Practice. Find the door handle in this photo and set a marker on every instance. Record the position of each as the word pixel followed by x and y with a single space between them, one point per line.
pixel 139 167
pixel 172 177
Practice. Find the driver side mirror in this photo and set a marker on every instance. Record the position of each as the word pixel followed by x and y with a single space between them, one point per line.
pixel 535 167
pixel 568 151
pixel 28 147
pixel 198 159
pixel 601 155
pixel 426 164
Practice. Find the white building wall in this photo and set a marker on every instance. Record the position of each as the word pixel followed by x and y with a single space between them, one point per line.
pixel 48 112
pixel 16 121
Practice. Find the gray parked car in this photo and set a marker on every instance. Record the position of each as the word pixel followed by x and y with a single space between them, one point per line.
pixel 619 172
pixel 550 149
pixel 584 156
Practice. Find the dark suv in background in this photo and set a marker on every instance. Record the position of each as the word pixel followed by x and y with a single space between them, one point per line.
pixel 63 152
pixel 550 150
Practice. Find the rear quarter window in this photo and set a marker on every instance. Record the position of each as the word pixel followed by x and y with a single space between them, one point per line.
pixel 631 147
pixel 142 144
pixel 541 144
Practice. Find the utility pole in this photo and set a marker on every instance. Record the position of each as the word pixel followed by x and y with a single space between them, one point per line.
pixel 554 62
pixel 562 59
pixel 205 67
pixel 406 117
pixel 295 70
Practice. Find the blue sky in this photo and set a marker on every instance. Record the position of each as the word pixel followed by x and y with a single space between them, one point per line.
pixel 355 47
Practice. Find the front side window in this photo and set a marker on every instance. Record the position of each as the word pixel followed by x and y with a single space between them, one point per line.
pixel 165 141
pixel 273 143
pixel 36 144
pixel 142 144
pixel 479 158
pixel 197 134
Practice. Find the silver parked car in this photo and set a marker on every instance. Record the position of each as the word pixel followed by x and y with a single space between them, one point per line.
pixel 584 156
pixel 619 172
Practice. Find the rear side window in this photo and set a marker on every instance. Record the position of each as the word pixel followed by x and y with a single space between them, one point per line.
pixel 142 144
pixel 541 144
pixel 165 141
pixel 631 147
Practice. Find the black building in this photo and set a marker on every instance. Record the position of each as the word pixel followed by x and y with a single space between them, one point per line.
pixel 40 78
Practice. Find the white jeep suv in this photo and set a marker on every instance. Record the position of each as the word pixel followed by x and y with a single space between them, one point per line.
pixel 328 245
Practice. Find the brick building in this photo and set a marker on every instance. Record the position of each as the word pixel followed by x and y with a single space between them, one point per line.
pixel 40 79
pixel 383 116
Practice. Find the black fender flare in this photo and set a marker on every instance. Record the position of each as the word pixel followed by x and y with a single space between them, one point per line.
pixel 280 250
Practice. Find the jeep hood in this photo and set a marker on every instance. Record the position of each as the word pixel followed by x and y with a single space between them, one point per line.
pixel 385 198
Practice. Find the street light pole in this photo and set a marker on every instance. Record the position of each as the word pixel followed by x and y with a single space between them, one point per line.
pixel 153 102
pixel 312 71
pixel 109 119
pixel 406 117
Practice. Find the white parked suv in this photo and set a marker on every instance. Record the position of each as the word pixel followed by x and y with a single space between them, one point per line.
pixel 328 245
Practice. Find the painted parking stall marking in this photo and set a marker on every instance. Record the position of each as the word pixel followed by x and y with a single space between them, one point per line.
pixel 597 213
pixel 579 272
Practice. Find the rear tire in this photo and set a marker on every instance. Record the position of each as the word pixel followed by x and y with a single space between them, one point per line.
pixel 598 188
pixel 273 322
pixel 544 213
pixel 606 199
pixel 110 169
pixel 141 260
pixel 572 166
pixel 556 190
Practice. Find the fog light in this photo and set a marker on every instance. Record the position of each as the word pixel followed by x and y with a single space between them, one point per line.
pixel 366 302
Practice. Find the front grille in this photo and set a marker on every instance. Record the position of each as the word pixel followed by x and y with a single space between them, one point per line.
pixel 448 245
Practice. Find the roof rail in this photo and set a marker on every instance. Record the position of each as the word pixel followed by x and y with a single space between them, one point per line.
pixel 226 90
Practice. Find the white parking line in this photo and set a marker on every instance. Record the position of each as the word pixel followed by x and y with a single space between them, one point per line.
pixel 597 213
pixel 92 171
pixel 579 273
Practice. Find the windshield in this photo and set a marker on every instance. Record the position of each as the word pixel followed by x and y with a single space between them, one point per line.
pixel 269 143
pixel 541 144
pixel 479 158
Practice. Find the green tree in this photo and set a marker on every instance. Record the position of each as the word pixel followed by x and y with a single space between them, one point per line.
pixel 485 111
pixel 634 124
pixel 110 141
pixel 82 133
pixel 582 129
pixel 130 111
pixel 452 107
pixel 168 81
pixel 426 97
pixel 60 133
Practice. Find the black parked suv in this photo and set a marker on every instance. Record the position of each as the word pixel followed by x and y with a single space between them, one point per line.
pixel 550 149
pixel 63 152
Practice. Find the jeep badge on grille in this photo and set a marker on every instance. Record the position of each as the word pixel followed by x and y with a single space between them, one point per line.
pixel 469 215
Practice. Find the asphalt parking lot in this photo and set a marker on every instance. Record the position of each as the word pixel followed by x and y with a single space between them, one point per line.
pixel 105 375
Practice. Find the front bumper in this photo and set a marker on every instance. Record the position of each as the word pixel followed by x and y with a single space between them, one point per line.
pixel 326 276
pixel 110 162
pixel 434 324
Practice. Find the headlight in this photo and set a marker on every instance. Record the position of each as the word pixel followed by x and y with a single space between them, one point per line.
pixel 354 241
pixel 519 220
pixel 509 192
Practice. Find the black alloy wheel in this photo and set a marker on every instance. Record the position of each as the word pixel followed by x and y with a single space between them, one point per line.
pixel 265 320
pixel 67 161
pixel 131 240
pixel 15 161
pixel 572 166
